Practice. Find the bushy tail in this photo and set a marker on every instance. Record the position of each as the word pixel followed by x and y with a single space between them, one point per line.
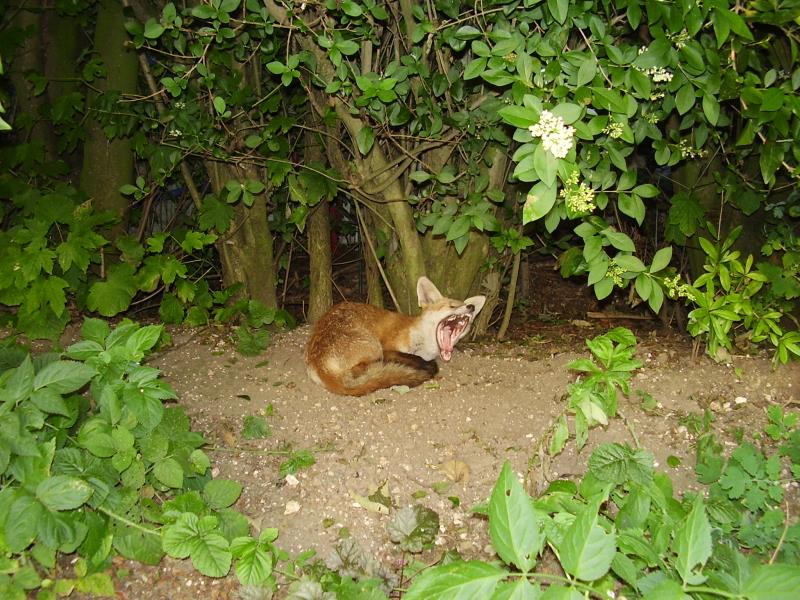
pixel 396 368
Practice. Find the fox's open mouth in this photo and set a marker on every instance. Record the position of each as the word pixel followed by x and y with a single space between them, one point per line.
pixel 449 331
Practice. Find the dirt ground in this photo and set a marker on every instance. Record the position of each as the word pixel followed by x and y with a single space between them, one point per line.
pixel 491 403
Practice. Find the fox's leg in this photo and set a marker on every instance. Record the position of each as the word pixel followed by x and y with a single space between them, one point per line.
pixel 411 360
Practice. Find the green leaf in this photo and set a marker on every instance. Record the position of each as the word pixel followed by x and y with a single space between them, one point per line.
pixel 21 522
pixel 567 111
pixel 414 528
pixel 539 202
pixel 519 116
pixel 686 214
pixel 692 544
pixel 114 295
pixel 352 9
pixel 587 550
pixel 302 459
pixel 711 108
pixel 196 537
pixel 586 71
pixel 63 376
pixel 456 580
pixel 169 472
pixel 630 263
pixel 619 240
pixel 255 428
pixel 50 401
pixel 153 29
pixel 772 582
pixel 19 385
pixel 518 589
pixel 475 68
pixel 221 493
pixel 143 339
pixel 546 166
pixel 513 525
pixel 661 259
pixel 684 100
pixel 365 139
pixel 253 560
pixel 559 10
pixel 219 105
pixel 61 492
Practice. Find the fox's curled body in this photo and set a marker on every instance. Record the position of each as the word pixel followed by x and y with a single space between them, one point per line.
pixel 355 349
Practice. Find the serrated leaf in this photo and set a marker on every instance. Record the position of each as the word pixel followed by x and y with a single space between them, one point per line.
pixel 692 544
pixel 62 492
pixel 169 472
pixel 457 580
pixel 255 427
pixel 513 526
pixel 253 560
pixel 772 582
pixel 587 550
pixel 143 339
pixel 221 493
pixel 414 528
pixel 63 376
pixel 195 537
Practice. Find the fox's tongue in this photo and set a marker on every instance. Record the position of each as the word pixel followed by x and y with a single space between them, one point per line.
pixel 448 332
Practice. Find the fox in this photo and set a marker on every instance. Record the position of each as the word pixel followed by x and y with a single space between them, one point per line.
pixel 355 349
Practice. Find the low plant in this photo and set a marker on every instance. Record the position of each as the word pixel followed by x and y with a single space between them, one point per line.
pixel 94 463
pixel 738 301
pixel 747 498
pixel 592 399
pixel 619 531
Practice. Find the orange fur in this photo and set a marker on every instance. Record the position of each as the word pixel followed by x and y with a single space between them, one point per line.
pixel 355 349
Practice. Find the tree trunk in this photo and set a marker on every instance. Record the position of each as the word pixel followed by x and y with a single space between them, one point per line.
pixel 245 250
pixel 63 47
pixel 108 163
pixel 320 297
pixel 28 58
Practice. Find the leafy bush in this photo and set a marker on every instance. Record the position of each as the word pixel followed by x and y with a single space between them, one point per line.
pixel 110 471
pixel 619 530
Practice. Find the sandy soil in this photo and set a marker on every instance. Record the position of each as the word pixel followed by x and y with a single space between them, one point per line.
pixel 490 404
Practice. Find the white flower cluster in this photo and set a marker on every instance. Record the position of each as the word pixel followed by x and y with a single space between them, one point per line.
pixel 613 130
pixel 680 39
pixel 556 137
pixel 688 151
pixel 578 197
pixel 677 289
pixel 659 74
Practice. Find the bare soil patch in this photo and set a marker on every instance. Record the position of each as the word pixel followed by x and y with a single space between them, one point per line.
pixel 490 404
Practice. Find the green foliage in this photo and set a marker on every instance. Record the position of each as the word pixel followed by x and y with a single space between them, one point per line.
pixel 620 528
pixel 592 399
pixel 747 489
pixel 735 299
pixel 587 107
pixel 93 462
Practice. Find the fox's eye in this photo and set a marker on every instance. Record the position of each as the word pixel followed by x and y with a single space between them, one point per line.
pixel 471 307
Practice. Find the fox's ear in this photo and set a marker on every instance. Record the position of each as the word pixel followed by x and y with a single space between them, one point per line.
pixel 427 293
pixel 476 302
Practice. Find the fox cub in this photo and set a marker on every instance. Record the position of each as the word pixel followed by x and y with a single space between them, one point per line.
pixel 356 349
